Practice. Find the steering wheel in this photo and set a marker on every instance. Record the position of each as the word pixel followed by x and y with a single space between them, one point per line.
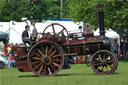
pixel 58 30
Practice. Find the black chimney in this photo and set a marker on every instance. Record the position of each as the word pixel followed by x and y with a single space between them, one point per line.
pixel 101 20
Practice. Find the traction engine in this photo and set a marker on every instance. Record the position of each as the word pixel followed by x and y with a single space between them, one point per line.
pixel 48 56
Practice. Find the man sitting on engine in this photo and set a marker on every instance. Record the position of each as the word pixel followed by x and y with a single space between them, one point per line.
pixel 25 35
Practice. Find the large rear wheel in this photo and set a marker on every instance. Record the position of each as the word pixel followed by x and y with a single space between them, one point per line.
pixel 45 59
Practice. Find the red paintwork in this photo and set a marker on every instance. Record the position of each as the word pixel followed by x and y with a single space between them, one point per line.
pixel 49 38
pixel 23 66
pixel 93 39
pixel 21 60
pixel 19 51
pixel 89 32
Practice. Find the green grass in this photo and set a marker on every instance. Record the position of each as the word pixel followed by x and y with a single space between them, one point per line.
pixel 79 74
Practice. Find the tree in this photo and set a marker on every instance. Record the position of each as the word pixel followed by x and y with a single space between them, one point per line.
pixel 116 12
pixel 2 3
pixel 80 10
pixel 14 10
pixel 38 10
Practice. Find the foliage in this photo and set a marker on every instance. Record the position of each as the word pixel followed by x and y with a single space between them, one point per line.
pixel 53 8
pixel 41 9
pixel 79 74
pixel 116 12
pixel 14 10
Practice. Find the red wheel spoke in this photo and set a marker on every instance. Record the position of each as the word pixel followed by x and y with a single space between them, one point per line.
pixel 100 57
pixel 107 68
pixel 36 58
pixel 40 69
pixel 46 51
pixel 55 59
pixel 111 61
pixel 102 69
pixel 45 68
pixel 96 60
pixel 56 55
pixel 52 53
pixel 97 64
pixel 37 66
pixel 104 57
pixel 56 64
pixel 50 50
pixel 35 54
pixel 43 50
pixel 109 65
pixel 49 71
pixel 107 58
pixel 40 53
pixel 35 62
pixel 52 67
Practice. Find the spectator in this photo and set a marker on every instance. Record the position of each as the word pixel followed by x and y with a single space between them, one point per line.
pixel 2 45
pixel 9 55
pixel 125 48
pixel 115 47
pixel 122 47
pixel 3 60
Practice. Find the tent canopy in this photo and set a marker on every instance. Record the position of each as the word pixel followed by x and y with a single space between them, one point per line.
pixel 109 33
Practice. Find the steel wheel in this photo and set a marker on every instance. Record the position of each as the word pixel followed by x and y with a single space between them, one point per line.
pixel 45 59
pixel 104 62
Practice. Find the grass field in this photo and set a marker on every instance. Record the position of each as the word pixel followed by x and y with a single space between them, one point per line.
pixel 79 74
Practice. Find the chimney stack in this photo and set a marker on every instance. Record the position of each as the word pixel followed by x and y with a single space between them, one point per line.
pixel 101 20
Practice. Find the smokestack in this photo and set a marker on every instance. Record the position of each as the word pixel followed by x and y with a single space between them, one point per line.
pixel 101 20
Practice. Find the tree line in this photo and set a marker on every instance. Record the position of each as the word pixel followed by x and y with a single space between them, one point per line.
pixel 116 11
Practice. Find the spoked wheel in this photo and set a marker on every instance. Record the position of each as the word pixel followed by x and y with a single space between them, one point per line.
pixel 104 62
pixel 45 59
pixel 57 30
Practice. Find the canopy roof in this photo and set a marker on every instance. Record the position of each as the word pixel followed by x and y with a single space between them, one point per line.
pixel 3 35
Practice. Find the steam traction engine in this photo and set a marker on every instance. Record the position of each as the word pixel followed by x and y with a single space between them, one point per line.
pixel 47 56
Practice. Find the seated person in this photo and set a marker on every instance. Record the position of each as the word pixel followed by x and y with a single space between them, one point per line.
pixel 25 35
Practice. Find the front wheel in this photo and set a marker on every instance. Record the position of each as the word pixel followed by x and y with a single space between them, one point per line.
pixel 104 62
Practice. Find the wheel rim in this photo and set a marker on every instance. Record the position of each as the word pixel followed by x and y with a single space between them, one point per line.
pixel 104 62
pixel 45 59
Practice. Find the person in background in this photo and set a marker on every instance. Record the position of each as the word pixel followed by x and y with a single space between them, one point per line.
pixel 115 47
pixel 33 31
pixel 122 48
pixel 125 48
pixel 2 45
pixel 3 61
pixel 9 49
pixel 25 35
